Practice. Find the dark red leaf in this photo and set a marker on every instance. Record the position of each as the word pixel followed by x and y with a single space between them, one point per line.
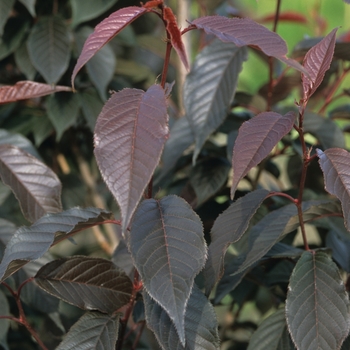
pixel 288 16
pixel 129 137
pixel 106 31
pixel 151 4
pixel 28 89
pixel 256 139
pixel 175 35
pixel 317 61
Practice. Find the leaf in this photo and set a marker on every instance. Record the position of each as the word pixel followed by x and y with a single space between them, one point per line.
pixel 334 163
pixel 35 185
pixel 200 324
pixel 85 282
pixel 229 228
pixel 175 35
pixel 208 177
pixel 340 249
pixel 104 32
pixel 210 87
pixel 317 303
pixel 122 258
pixel 317 61
pixel 101 66
pixel 129 137
pixel 30 5
pixel 89 9
pixel 63 109
pixel 5 10
pixel 286 16
pixel 23 62
pixel 5 311
pixel 91 105
pixel 49 48
pixel 92 331
pixel 31 243
pixel 168 247
pixel 23 90
pixel 272 334
pixel 256 139
pixel 325 130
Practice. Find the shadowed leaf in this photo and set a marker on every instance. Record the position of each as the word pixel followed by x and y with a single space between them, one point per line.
pixel 5 311
pixel 334 163
pixel 30 5
pixel 168 247
pixel 317 61
pixel 92 331
pixel 256 139
pixel 5 10
pixel 129 137
pixel 83 11
pixel 210 87
pixel 200 324
pixel 104 32
pixel 88 283
pixel 31 243
pixel 317 303
pixel 34 184
pixel 272 334
pixel 48 47
pixel 91 105
pixel 28 89
pixel 228 228
pixel 23 62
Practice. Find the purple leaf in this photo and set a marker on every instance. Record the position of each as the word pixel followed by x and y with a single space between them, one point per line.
pixel 317 61
pixel 256 139
pixel 335 164
pixel 106 31
pixel 28 89
pixel 129 137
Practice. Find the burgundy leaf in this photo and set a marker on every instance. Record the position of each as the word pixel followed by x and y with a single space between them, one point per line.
pixel 106 31
pixel 175 35
pixel 154 3
pixel 317 61
pixel 335 164
pixel 256 139
pixel 23 90
pixel 129 137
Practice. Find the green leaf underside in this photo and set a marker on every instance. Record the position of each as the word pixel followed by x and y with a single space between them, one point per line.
pixel 48 47
pixel 229 228
pixel 272 334
pixel 91 105
pixel 256 139
pixel 30 243
pixel 317 303
pixel 92 331
pixel 129 137
pixel 88 283
pixel 200 324
pixel 34 184
pixel 23 62
pixel 210 87
pixel 168 247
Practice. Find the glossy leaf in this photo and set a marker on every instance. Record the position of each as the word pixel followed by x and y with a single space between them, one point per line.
pixel 325 130
pixel 35 185
pixel 101 66
pixel 31 243
pixel 317 61
pixel 229 228
pixel 104 32
pixel 210 87
pixel 27 89
pixel 168 253
pixel 7 229
pixel 88 283
pixel 48 47
pixel 317 303
pixel 129 137
pixel 175 35
pixel 30 5
pixel 89 9
pixel 334 164
pixel 208 177
pixel 92 331
pixel 5 10
pixel 63 109
pixel 200 324
pixel 272 334
pixel 256 139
